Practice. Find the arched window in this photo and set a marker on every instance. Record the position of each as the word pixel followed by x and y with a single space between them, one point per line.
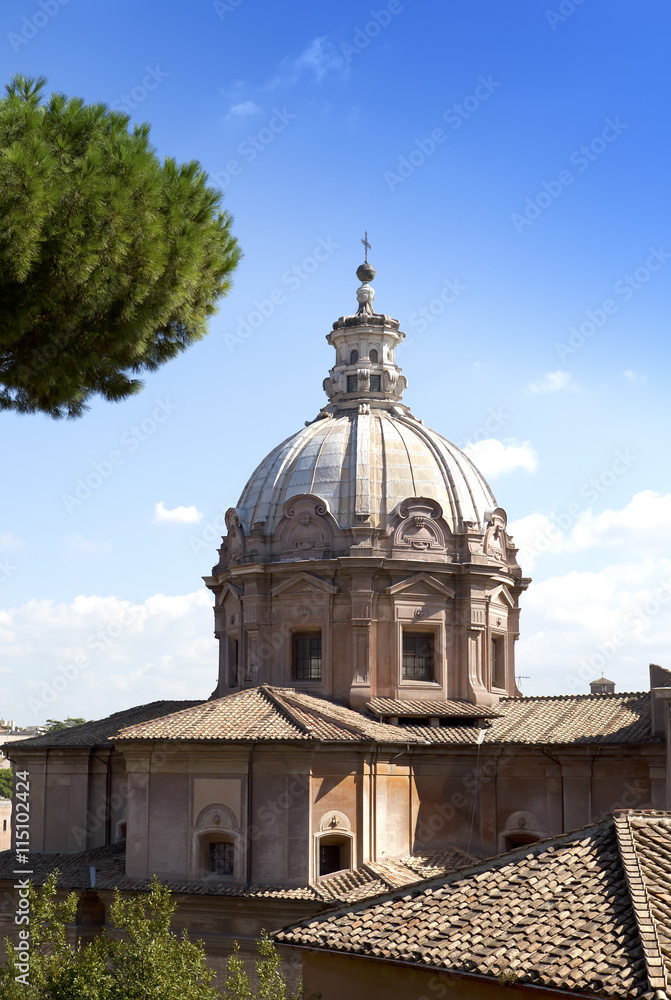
pixel 373 356
pixel 218 851
pixel 354 356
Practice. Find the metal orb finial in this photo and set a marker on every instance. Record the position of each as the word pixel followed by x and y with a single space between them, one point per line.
pixel 366 272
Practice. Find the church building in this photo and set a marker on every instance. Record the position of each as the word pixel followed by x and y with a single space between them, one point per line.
pixel 366 729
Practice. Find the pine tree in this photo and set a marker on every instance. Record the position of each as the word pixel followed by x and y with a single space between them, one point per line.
pixel 111 262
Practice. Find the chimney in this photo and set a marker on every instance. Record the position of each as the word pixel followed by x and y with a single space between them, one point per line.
pixel 602 686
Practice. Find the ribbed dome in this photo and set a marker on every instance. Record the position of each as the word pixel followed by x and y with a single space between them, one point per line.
pixel 366 463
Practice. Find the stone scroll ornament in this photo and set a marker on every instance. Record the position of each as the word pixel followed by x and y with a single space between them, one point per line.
pixel 419 528
pixel 305 528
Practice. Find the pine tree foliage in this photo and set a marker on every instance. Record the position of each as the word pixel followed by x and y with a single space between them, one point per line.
pixel 111 262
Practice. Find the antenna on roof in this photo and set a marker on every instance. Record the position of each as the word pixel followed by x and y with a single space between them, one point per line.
pixel 521 677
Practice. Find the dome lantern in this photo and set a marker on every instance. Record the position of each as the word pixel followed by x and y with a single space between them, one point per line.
pixel 365 343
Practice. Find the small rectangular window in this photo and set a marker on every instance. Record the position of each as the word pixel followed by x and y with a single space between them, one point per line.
pixel 498 662
pixel 233 653
pixel 307 656
pixel 352 383
pixel 222 858
pixel 375 383
pixel 418 656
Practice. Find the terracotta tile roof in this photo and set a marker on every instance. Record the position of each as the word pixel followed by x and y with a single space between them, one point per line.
pixel 645 846
pixel 566 913
pixel 285 714
pixel 584 718
pixel 91 734
pixel 386 707
pixel 268 713
pixel 561 719
pixel 375 877
pixel 110 865
pixel 346 886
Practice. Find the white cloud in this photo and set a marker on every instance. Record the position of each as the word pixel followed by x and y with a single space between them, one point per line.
pixel 176 515
pixel 580 625
pixel 320 57
pixel 612 620
pixel 10 541
pixel 634 376
pixel 553 382
pixel 244 109
pixel 494 458
pixel 97 655
pixel 642 527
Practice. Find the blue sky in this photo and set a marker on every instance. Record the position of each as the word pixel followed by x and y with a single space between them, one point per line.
pixel 511 158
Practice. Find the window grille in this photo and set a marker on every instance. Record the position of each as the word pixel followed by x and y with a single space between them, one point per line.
pixel 307 665
pixel 418 656
pixel 222 857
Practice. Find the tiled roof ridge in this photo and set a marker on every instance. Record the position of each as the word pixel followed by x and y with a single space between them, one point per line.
pixel 486 864
pixel 348 726
pixel 286 694
pixel 612 695
pixel 278 702
pixel 654 959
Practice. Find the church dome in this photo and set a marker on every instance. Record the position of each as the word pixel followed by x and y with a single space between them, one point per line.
pixel 367 463
pixel 366 453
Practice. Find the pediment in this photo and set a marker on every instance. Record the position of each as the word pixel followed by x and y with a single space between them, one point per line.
pixel 304 583
pixel 229 590
pixel 420 584
pixel 503 595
